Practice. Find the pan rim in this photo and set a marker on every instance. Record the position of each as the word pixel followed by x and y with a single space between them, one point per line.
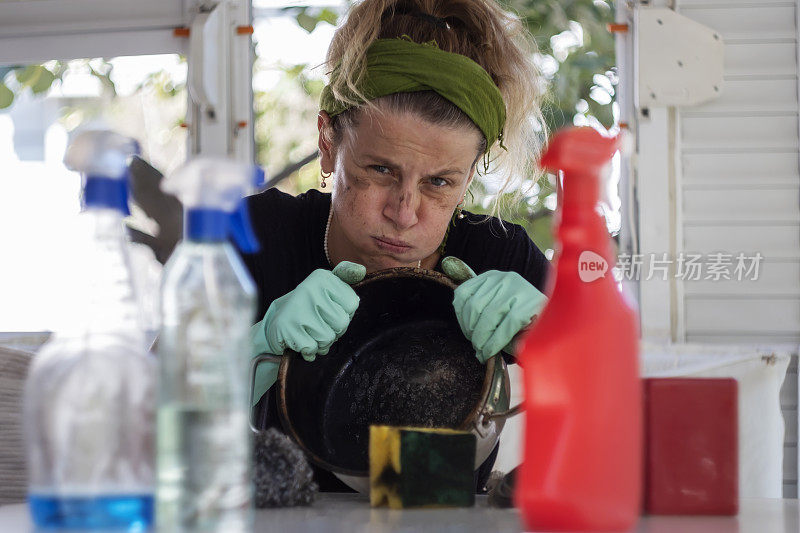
pixel 380 275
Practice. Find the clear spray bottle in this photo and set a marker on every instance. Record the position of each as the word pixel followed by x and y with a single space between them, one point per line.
pixel 89 395
pixel 208 305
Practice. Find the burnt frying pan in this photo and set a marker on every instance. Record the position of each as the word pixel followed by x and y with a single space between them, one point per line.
pixel 402 361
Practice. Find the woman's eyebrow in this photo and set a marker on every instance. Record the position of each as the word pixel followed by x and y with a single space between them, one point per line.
pixel 382 161
pixel 449 171
pixel 379 160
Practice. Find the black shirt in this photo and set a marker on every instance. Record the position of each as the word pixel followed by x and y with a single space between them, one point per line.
pixel 291 231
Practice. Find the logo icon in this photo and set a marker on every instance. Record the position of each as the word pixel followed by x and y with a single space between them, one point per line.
pixel 591 266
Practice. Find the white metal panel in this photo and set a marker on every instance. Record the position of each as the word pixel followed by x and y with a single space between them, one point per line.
pixel 746 23
pixel 747 167
pixel 243 140
pixel 680 60
pixel 41 30
pixel 625 60
pixel 760 59
pixel 744 315
pixel 684 4
pixel 756 200
pixel 45 17
pixel 224 129
pixel 747 132
pixel 25 50
pixel 752 95
pixel 775 278
pixel 739 235
pixel 736 337
pixel 654 164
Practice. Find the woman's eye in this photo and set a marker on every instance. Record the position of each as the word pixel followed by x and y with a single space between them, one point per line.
pixel 380 169
pixel 438 182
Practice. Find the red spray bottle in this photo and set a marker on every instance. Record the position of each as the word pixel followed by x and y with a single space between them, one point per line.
pixel 583 422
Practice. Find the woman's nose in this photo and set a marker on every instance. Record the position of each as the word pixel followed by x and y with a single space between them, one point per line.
pixel 402 208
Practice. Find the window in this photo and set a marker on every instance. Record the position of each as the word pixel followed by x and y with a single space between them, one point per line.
pixel 39 197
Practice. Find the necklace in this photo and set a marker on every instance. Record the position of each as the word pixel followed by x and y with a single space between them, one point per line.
pixel 325 240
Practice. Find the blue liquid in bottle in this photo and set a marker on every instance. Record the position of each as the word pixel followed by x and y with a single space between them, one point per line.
pixel 131 512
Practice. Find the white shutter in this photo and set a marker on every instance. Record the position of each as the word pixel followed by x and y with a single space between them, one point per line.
pixel 739 188
pixel 738 184
pixel 725 177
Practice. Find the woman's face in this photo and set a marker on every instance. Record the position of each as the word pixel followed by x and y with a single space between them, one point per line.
pixel 397 181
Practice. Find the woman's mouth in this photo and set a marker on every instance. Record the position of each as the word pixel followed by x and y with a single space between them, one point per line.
pixel 392 245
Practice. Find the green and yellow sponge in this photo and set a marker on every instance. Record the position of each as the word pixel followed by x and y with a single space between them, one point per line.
pixel 421 467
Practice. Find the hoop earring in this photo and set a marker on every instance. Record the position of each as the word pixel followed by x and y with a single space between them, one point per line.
pixel 324 177
pixel 458 212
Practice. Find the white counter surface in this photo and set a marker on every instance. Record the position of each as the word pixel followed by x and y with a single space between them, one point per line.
pixel 350 513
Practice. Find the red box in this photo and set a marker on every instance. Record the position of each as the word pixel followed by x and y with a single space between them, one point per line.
pixel 691 457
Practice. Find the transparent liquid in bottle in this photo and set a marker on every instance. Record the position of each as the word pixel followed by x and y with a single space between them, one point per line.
pixel 204 440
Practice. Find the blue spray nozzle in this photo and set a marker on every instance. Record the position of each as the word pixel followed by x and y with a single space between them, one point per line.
pixel 102 157
pixel 214 225
pixel 100 191
pixel 210 187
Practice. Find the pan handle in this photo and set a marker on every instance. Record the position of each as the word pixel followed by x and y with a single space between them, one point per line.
pixel 517 409
pixel 484 421
pixel 253 365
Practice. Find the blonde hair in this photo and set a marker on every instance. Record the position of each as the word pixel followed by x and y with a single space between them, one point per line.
pixel 478 29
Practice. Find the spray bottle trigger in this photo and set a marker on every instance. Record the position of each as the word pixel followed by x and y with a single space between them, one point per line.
pixel 241 230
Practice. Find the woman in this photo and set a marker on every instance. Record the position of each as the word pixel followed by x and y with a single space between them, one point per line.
pixel 421 93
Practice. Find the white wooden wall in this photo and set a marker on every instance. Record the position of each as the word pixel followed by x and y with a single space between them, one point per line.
pixel 738 178
pixel 724 177
pixel 739 188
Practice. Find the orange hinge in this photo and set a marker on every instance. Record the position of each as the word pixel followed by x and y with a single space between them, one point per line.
pixel 623 125
pixel 244 30
pixel 617 28
pixel 180 32
pixel 241 124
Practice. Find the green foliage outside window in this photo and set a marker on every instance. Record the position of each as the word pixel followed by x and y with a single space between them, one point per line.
pixel 576 55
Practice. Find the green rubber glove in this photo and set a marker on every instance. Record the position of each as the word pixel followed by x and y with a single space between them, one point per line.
pixel 493 307
pixel 308 320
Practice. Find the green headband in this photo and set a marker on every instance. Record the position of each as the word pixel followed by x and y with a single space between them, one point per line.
pixel 403 66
